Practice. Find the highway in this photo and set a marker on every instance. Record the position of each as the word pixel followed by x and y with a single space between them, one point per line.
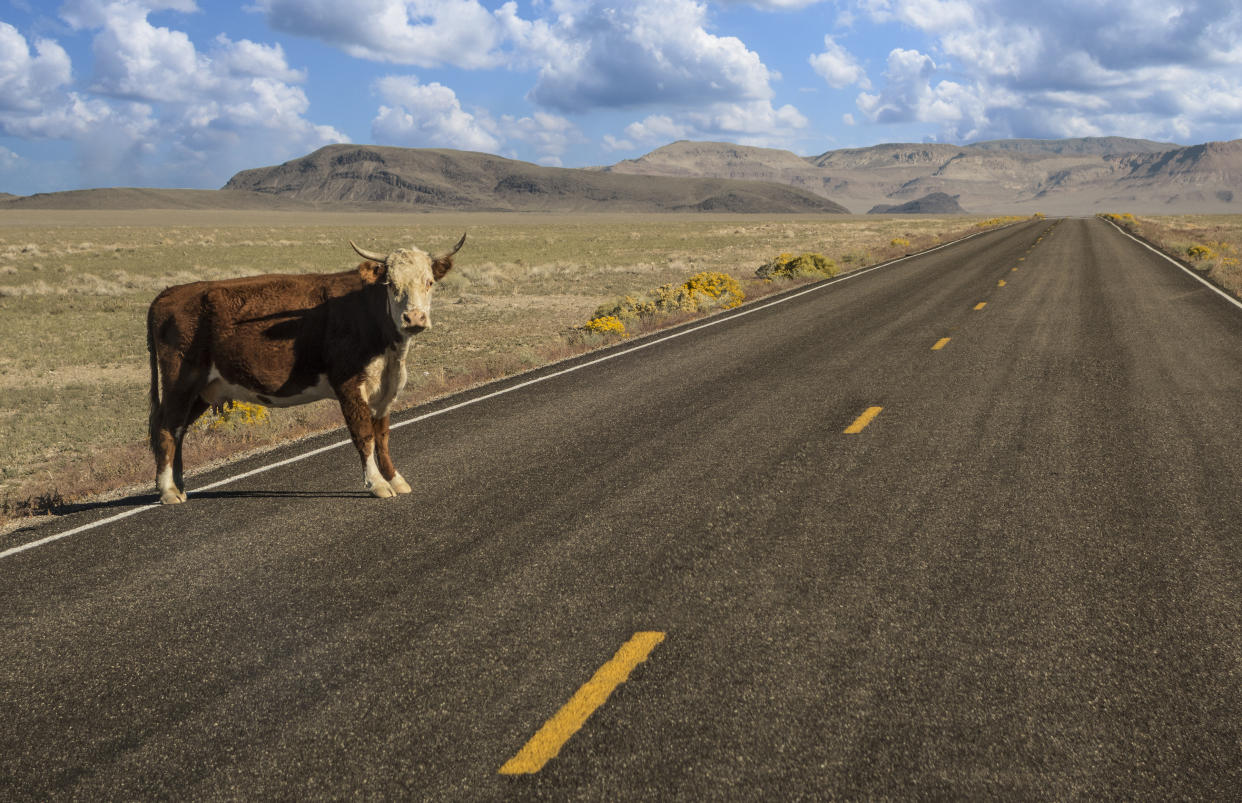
pixel 1018 574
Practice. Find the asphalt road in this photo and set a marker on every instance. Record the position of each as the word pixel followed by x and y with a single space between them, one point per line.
pixel 1021 579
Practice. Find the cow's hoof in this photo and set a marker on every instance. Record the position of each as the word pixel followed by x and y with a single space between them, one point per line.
pixel 172 497
pixel 382 490
pixel 399 484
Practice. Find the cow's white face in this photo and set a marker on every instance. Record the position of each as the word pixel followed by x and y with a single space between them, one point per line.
pixel 409 275
pixel 410 283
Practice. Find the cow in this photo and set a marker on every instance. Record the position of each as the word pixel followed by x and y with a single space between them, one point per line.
pixel 281 340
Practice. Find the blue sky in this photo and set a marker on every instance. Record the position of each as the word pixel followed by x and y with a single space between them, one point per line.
pixel 184 93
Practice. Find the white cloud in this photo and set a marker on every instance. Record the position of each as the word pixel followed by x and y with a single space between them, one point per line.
pixel 611 143
pixel 429 115
pixel 1161 69
pixel 90 14
pixel 748 123
pixel 156 110
pixel 549 134
pixel 906 91
pixel 773 5
pixel 424 33
pixel 656 127
pixel 246 58
pixel 838 67
pixel 25 79
pixel 645 52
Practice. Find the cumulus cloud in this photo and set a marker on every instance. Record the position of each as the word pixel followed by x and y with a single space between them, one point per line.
pixel 549 134
pixel 838 67
pixel 603 55
pixel 421 115
pixel 429 115
pixel 423 33
pixel 997 68
pixel 748 123
pixel 155 109
pixel 611 143
pixel 773 5
pixel 27 79
pixel 587 55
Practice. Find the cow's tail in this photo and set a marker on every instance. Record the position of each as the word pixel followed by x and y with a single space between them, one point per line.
pixel 155 370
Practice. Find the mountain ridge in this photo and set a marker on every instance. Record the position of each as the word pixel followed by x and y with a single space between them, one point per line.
pixel 449 179
pixel 1073 176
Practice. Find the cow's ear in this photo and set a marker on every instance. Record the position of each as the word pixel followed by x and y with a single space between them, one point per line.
pixel 373 272
pixel 441 266
pixel 444 263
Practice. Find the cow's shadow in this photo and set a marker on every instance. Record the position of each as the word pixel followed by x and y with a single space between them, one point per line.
pixel 61 509
pixel 277 495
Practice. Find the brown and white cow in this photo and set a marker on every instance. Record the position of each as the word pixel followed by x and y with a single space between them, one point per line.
pixel 282 340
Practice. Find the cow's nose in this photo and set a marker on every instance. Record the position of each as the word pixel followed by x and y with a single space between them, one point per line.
pixel 416 320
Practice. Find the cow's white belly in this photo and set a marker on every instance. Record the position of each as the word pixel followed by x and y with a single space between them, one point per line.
pixel 219 390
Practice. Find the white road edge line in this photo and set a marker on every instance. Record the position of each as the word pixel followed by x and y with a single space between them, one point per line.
pixel 612 355
pixel 1188 271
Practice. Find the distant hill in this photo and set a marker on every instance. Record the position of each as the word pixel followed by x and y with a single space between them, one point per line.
pixel 139 198
pixel 936 203
pixel 1083 146
pixel 1071 176
pixel 381 177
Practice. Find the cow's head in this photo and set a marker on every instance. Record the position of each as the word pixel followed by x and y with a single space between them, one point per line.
pixel 409 274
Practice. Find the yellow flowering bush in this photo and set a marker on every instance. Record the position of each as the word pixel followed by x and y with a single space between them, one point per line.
pixel 1125 220
pixel 1000 221
pixel 699 293
pixel 1200 252
pixel 720 288
pixel 899 242
pixel 234 414
pixel 605 325
pixel 803 266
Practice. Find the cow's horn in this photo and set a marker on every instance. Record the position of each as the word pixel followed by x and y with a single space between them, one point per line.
pixel 380 258
pixel 457 247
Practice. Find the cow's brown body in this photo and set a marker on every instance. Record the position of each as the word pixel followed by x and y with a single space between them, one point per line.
pixel 282 340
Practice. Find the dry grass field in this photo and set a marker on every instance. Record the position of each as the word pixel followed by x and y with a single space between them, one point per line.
pixel 75 286
pixel 1212 244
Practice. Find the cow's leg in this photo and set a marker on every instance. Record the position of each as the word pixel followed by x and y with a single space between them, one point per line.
pixel 358 420
pixel 164 447
pixel 379 426
pixel 197 408
pixel 167 430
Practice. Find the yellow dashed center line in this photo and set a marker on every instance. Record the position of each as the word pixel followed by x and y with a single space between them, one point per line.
pixel 941 343
pixel 863 420
pixel 981 305
pixel 549 739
